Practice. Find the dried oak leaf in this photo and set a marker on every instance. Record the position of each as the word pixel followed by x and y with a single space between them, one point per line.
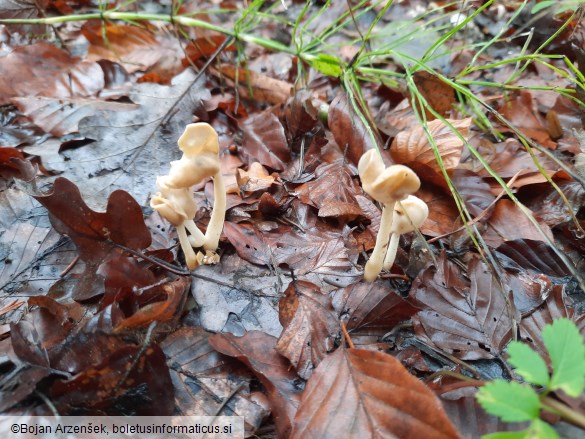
pixel 91 231
pixel 258 351
pixel 133 381
pixel 333 192
pixel 41 69
pixel 367 394
pixel 413 146
pixel 371 308
pixel 468 320
pixel 264 141
pixel 203 378
pixel 310 326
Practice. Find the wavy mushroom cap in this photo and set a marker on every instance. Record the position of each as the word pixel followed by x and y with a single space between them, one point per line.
pixel 192 170
pixel 199 138
pixel 175 205
pixel 409 214
pixel 386 185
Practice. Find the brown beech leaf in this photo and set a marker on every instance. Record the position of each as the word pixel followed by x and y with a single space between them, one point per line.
pixel 473 189
pixel 367 394
pixel 136 48
pixel 128 382
pixel 534 255
pixel 60 116
pixel 412 146
pixel 91 231
pixel 550 207
pixel 301 115
pixel 310 326
pixel 41 69
pixel 333 192
pixel 258 351
pixel 257 86
pixel 509 223
pixel 348 130
pixel 203 378
pixel 439 95
pixel 371 308
pixel 468 320
pixel 264 141
pixel 204 47
pixel 24 9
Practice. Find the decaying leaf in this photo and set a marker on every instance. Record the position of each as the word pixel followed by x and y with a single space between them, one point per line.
pixel 367 394
pixel 310 326
pixel 468 320
pixel 264 141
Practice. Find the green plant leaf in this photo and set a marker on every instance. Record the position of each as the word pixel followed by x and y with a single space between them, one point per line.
pixel 510 401
pixel 540 429
pixel 529 365
pixel 567 353
pixel 327 64
pixel 507 435
pixel 542 5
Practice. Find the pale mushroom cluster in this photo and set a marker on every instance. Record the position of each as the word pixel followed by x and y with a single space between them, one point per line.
pixel 175 202
pixel 402 212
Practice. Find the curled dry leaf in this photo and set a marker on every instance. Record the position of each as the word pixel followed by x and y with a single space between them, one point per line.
pixel 14 165
pixel 310 326
pixel 468 320
pixel 367 394
pixel 258 351
pixel 413 146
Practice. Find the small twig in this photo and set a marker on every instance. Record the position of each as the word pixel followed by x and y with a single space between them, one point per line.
pixel 70 266
pixel 49 404
pixel 552 405
pixel 228 398
pixel 346 335
pixel 145 344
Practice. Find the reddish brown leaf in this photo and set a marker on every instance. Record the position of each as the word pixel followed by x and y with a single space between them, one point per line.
pixel 348 130
pixel 508 223
pixel 333 192
pixel 91 231
pixel 534 255
pixel 258 351
pixel 371 308
pixel 301 115
pixel 43 69
pixel 551 208
pixel 367 394
pixel 438 94
pixel 469 321
pixel 14 165
pixel 412 146
pixel 133 381
pixel 310 334
pixel 204 47
pixel 264 141
pixel 473 189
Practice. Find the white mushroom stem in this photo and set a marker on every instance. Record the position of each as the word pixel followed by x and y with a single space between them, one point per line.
pixel 392 250
pixel 375 263
pixel 196 237
pixel 216 221
pixel 190 256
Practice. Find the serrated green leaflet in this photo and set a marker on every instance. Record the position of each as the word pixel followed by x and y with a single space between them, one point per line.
pixel 529 365
pixel 567 353
pixel 510 401
pixel 327 64
pixel 540 429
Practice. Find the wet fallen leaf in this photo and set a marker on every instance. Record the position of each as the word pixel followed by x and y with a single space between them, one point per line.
pixel 258 351
pixel 439 95
pixel 366 394
pixel 310 326
pixel 264 141
pixel 468 320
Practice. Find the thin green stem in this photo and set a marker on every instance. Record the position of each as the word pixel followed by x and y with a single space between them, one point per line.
pixel 552 405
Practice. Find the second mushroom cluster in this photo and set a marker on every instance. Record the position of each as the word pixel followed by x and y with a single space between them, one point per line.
pixel 174 201
pixel 402 212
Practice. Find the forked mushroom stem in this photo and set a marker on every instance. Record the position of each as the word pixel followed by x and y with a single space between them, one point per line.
pixel 375 263
pixel 216 221
pixel 196 237
pixel 190 256
pixel 392 250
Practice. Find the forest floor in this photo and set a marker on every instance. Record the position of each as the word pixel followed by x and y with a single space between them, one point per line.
pixel 99 313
